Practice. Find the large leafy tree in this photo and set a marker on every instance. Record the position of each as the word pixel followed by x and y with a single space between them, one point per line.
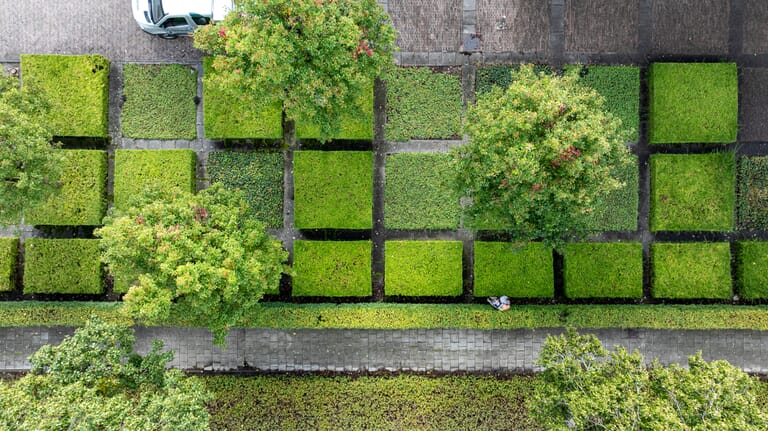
pixel 197 255
pixel 94 381
pixel 30 165
pixel 539 154
pixel 585 387
pixel 316 56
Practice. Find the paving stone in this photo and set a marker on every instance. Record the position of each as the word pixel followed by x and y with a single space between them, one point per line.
pixel 691 27
pixel 601 26
pixel 753 94
pixel 514 25
pixel 427 25
pixel 755 36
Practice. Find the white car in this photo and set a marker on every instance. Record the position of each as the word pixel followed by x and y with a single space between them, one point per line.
pixel 172 18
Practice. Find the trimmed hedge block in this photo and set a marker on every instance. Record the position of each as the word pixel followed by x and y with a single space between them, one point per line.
pixel 159 101
pixel 232 116
pixel 81 200
pixel 333 189
pixel 354 124
pixel 604 270
pixel 418 193
pixel 753 193
pixel 423 268
pixel 77 87
pixel 693 102
pixel 332 268
pixel 71 266
pixel 752 269
pixel 488 77
pixel 691 270
pixel 501 269
pixel 259 175
pixel 617 211
pixel 9 251
pixel 136 169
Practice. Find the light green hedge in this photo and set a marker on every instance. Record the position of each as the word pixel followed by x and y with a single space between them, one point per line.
pixel 135 169
pixel 9 250
pixel 691 270
pixel 332 268
pixel 752 269
pixel 604 270
pixel 62 266
pixel 502 269
pixel 423 268
pixel 354 125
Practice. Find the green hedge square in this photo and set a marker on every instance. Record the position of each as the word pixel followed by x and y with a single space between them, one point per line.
pixel 332 268
pixel 752 189
pixel 501 269
pixel 136 169
pixel 604 270
pixel 693 102
pixel 231 116
pixel 77 87
pixel 355 124
pixel 617 211
pixel 419 193
pixel 62 266
pixel 9 250
pixel 752 269
pixel 81 200
pixel 333 189
pixel 487 77
pixel 423 268
pixel 159 101
pixel 691 270
pixel 693 192
pixel 422 104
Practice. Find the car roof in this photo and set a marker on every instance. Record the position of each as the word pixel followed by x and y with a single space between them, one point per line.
pixel 183 7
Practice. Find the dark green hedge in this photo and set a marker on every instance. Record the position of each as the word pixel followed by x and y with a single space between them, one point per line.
pixel 488 77
pixel 81 200
pixel 159 101
pixel 354 124
pixel 617 211
pixel 62 266
pixel 752 269
pixel 332 268
pixel 691 270
pixel 423 268
pixel 258 174
pixel 418 192
pixel 9 250
pixel 753 193
pixel 135 169
pixel 604 270
pixel 502 269
pixel 78 89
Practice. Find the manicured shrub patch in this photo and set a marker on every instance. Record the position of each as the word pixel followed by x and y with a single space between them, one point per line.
pixel 501 269
pixel 81 200
pixel 9 250
pixel 604 270
pixel 423 104
pixel 693 102
pixel 419 194
pixel 752 269
pixel 136 169
pixel 333 189
pixel 159 101
pixel 691 270
pixel 332 268
pixel 617 211
pixel 77 87
pixel 692 191
pixel 62 266
pixel 423 268
pixel 258 174
pixel 226 115
pixel 488 77
pixel 353 124
pixel 753 193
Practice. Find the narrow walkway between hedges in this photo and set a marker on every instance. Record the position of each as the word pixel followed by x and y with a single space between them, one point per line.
pixel 438 350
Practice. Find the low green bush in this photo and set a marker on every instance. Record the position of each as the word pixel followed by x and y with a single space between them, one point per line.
pixel 9 250
pixel 693 192
pixel 423 104
pixel 159 101
pixel 231 116
pixel 691 270
pixel 62 266
pixel 135 169
pixel 332 268
pixel 333 189
pixel 502 269
pixel 752 189
pixel 419 193
pixel 258 174
pixel 617 211
pixel 77 87
pixel 693 102
pixel 423 268
pixel 751 264
pixel 488 77
pixel 81 200
pixel 603 270
pixel 354 124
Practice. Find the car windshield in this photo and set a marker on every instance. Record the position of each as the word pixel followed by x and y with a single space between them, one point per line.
pixel 156 10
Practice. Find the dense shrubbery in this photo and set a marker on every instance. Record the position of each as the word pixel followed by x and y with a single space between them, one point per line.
pixel 617 210
pixel 502 269
pixel 137 169
pixel 603 270
pixel 753 193
pixel 691 270
pixel 62 266
pixel 9 250
pixel 332 268
pixel 488 77
pixel 751 264
pixel 355 123
pixel 423 268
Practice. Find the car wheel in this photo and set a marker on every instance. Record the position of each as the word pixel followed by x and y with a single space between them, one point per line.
pixel 168 36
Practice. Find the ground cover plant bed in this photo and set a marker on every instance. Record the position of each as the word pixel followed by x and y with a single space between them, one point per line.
pixel 617 211
pixel 751 264
pixel 70 266
pixel 423 268
pixel 229 116
pixel 503 269
pixel 81 200
pixel 487 77
pixel 258 174
pixel 423 104
pixel 333 189
pixel 692 192
pixel 753 193
pixel 419 194
pixel 159 101
pixel 9 250
pixel 691 270
pixel 332 268
pixel 603 270
pixel 692 102
pixel 354 125
pixel 77 87
pixel 137 169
